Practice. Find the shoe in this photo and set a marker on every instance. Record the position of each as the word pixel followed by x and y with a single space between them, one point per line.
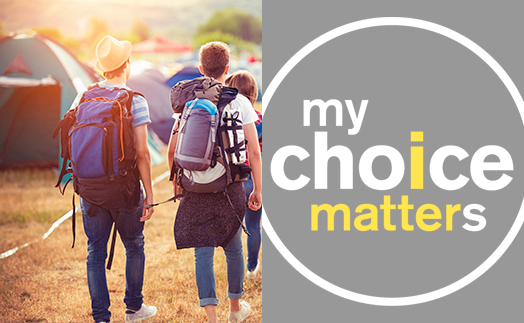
pixel 237 317
pixel 142 314
pixel 252 274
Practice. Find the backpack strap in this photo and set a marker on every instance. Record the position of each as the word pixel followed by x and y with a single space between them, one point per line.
pixel 107 152
pixel 221 144
pixel 129 102
pixel 73 218
pixel 174 198
pixel 64 127
pixel 113 241
pixel 173 171
pixel 65 170
pixel 238 218
pixel 138 93
pixel 131 95
pixel 59 126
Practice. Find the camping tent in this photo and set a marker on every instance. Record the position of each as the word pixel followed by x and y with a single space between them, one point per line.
pixel 40 80
pixel 187 73
pixel 27 105
pixel 151 83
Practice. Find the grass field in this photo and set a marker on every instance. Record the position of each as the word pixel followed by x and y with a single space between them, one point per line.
pixel 46 281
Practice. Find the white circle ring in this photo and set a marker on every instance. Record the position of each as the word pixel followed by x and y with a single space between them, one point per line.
pixel 504 77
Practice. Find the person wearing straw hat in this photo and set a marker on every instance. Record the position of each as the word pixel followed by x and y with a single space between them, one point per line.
pixel 113 60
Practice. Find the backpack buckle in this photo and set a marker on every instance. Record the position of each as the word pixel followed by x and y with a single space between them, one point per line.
pixel 122 172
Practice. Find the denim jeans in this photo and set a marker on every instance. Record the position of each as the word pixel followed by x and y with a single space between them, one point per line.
pixel 252 219
pixel 98 230
pixel 205 274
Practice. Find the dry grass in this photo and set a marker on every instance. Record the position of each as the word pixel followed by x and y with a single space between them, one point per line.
pixel 46 281
pixel 29 195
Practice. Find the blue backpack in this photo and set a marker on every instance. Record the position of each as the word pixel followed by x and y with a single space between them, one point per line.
pixel 98 139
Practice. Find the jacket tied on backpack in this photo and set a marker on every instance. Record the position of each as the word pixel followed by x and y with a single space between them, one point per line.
pixel 211 148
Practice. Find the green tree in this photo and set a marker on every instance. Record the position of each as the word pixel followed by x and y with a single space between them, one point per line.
pixel 236 43
pixel 50 32
pixel 74 45
pixel 234 22
pixel 139 31
pixel 97 29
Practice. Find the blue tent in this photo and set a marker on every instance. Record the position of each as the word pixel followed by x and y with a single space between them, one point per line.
pixel 187 73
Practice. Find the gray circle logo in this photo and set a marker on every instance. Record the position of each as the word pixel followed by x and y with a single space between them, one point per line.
pixel 393 150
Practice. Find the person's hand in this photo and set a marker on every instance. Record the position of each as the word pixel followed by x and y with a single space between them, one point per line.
pixel 255 200
pixel 147 212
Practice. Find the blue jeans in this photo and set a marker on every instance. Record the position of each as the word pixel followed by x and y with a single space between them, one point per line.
pixel 98 230
pixel 205 274
pixel 252 219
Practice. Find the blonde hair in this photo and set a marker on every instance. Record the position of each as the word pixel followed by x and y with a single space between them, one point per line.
pixel 214 58
pixel 245 83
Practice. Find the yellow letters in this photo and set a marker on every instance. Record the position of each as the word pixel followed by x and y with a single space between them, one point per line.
pixel 330 210
pixel 421 216
pixel 417 161
pixel 372 215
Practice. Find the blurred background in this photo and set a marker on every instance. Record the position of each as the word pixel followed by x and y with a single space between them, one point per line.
pixel 47 56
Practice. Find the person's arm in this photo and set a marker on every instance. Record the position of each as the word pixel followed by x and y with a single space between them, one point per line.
pixel 144 167
pixel 255 161
pixel 171 155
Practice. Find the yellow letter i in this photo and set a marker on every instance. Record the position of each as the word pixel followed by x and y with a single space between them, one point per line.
pixel 417 161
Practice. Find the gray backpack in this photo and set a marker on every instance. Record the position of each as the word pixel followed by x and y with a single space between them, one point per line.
pixel 197 152
pixel 200 120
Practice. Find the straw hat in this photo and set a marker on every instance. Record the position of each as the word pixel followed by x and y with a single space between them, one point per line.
pixel 111 53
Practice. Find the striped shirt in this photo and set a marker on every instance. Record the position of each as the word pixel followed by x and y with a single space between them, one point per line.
pixel 139 107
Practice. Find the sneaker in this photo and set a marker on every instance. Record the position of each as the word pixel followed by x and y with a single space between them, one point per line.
pixel 142 314
pixel 237 317
pixel 252 274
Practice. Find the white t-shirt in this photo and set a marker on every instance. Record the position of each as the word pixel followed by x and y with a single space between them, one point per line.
pixel 242 104
pixel 247 111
